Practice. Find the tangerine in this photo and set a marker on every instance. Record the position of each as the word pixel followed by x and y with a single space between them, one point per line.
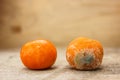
pixel 38 54
pixel 84 53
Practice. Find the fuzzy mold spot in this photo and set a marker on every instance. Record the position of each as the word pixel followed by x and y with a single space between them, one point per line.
pixel 84 57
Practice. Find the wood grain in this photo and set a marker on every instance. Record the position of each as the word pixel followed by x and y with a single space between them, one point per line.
pixel 11 68
pixel 60 21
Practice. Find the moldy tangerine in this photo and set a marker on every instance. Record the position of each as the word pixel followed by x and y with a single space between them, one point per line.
pixel 84 54
pixel 38 54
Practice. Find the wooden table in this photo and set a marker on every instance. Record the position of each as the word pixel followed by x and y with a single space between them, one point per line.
pixel 11 68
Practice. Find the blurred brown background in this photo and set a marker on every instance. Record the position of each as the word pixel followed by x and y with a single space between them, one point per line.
pixel 59 21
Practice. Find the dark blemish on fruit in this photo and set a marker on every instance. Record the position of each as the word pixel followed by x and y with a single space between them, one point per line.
pixel 87 59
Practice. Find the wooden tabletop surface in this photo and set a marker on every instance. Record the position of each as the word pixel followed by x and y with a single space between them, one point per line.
pixel 11 68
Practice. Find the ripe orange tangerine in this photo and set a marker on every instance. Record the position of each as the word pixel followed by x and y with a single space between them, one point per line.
pixel 84 53
pixel 38 54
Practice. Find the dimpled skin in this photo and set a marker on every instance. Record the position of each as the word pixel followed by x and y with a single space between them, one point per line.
pixel 38 54
pixel 84 54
